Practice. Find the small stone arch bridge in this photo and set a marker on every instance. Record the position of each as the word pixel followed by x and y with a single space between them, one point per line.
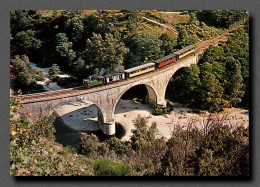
pixel 106 97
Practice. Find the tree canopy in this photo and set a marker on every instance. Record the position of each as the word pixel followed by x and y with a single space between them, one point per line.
pixel 83 43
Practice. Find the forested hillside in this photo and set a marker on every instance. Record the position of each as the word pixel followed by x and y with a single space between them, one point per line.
pixel 220 79
pixel 82 43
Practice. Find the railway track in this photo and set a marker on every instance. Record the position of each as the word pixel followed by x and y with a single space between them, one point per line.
pixel 44 96
pixel 76 91
pixel 223 38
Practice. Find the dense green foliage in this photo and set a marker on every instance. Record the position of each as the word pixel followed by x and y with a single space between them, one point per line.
pixel 54 70
pixel 23 76
pixel 220 79
pixel 83 43
pixel 195 31
pixel 33 151
pixel 104 53
pixel 107 168
pixel 214 150
pixel 222 18
pixel 161 110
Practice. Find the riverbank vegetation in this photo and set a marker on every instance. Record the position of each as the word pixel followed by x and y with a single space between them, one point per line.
pixel 215 150
pixel 23 76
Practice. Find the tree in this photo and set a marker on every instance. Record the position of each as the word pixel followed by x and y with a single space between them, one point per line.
pixel 64 50
pixel 25 30
pixel 20 20
pixel 107 52
pixel 26 76
pixel 27 41
pixel 143 49
pixel 202 85
pixel 185 39
pixel 213 54
pixel 149 149
pixel 184 86
pixel 54 70
pixel 237 48
pixel 79 68
pixel 168 43
pixel 221 18
pixel 211 89
pixel 234 88
pixel 74 27
pixel 225 18
pixel 206 16
pixel 143 134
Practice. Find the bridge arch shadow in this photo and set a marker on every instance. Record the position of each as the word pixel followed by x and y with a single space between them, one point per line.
pixel 73 118
pixel 84 103
pixel 150 95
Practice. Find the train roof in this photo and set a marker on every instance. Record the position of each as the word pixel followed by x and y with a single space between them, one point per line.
pixel 139 67
pixel 114 74
pixel 184 49
pixel 95 76
pixel 164 58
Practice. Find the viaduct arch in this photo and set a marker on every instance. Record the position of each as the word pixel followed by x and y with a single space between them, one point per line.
pixel 105 97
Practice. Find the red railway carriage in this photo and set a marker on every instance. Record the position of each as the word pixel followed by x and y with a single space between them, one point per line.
pixel 165 60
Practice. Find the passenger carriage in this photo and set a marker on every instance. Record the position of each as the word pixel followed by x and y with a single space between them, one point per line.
pixel 114 77
pixel 165 60
pixel 139 70
pixel 185 51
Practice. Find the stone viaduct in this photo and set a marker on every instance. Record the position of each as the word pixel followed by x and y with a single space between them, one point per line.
pixel 105 97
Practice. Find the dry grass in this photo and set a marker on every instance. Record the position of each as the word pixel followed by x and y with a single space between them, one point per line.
pixel 49 13
pixel 174 18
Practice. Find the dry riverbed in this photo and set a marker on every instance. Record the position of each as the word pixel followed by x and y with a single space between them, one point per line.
pixel 81 116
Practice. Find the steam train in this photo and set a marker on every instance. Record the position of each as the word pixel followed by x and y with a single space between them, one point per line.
pixel 95 80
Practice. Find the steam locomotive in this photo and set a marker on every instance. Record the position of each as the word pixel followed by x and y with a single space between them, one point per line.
pixel 95 80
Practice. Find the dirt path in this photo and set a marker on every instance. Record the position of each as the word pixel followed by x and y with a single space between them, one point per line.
pixel 163 25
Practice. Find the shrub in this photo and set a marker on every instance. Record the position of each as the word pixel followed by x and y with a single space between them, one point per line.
pixel 158 110
pixel 24 76
pixel 89 145
pixel 161 110
pixel 34 153
pixel 54 70
pixel 224 151
pixel 105 167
